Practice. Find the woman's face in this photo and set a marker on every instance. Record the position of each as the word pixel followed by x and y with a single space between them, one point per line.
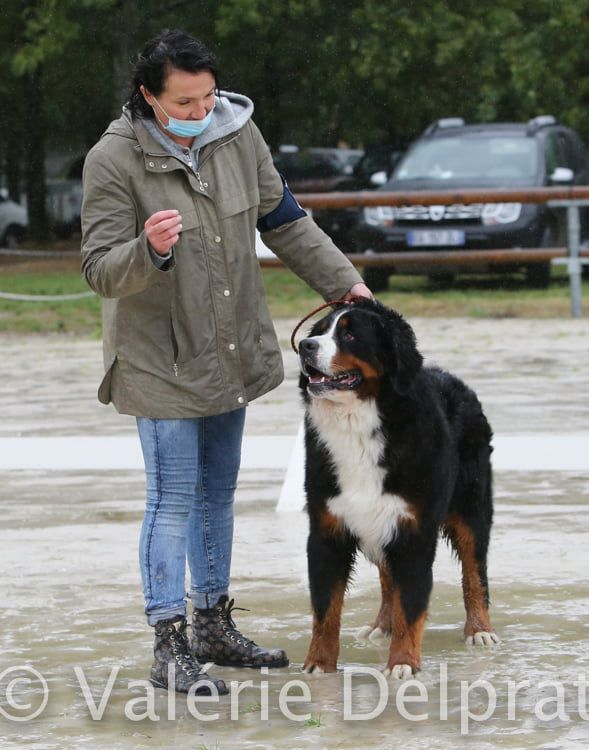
pixel 186 96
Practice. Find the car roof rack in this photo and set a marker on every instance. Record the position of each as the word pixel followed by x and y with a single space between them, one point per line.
pixel 541 121
pixel 445 122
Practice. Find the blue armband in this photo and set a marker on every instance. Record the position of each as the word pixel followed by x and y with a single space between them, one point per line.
pixel 286 211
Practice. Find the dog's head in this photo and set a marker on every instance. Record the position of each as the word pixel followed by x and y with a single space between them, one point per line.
pixel 351 351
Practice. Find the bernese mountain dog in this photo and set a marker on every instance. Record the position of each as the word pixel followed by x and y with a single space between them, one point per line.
pixel 396 453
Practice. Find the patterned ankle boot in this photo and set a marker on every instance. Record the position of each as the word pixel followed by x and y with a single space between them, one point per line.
pixel 173 657
pixel 215 638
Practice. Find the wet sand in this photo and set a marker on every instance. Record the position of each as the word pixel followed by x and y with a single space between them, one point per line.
pixel 71 591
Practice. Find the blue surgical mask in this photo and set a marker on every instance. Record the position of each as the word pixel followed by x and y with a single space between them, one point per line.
pixel 185 128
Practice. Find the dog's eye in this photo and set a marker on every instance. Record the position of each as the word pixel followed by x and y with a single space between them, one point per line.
pixel 348 335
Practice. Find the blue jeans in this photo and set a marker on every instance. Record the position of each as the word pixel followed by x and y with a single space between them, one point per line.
pixel 191 467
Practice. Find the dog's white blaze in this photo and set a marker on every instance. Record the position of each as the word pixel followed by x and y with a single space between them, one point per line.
pixel 352 435
pixel 327 347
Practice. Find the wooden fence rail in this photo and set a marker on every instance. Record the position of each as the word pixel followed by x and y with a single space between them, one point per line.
pixel 571 198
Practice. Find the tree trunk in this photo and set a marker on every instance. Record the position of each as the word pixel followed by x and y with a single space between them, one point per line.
pixel 13 165
pixel 128 18
pixel 34 153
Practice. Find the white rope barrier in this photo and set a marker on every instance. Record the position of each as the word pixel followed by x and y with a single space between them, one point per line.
pixel 21 253
pixel 45 297
pixel 41 297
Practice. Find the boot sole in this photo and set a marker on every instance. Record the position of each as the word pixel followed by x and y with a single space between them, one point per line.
pixel 201 691
pixel 273 665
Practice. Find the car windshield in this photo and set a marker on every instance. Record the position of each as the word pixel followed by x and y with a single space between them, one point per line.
pixel 470 157
pixel 303 165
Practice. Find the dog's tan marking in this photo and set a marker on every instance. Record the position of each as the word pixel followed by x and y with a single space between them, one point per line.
pixel 331 524
pixel 324 646
pixel 406 637
pixel 475 599
pixel 347 361
pixel 384 618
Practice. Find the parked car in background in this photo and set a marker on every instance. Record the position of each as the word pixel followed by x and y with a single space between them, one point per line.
pixel 376 166
pixel 316 170
pixel 451 155
pixel 345 159
pixel 322 170
pixel 64 206
pixel 13 222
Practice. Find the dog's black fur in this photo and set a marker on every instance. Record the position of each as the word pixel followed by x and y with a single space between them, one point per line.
pixel 435 458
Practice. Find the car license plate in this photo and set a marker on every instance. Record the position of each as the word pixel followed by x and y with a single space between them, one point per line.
pixel 435 237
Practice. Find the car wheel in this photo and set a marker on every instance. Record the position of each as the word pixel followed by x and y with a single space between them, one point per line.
pixel 538 274
pixel 376 279
pixel 12 238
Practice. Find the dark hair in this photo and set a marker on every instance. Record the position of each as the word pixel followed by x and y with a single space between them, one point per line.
pixel 171 48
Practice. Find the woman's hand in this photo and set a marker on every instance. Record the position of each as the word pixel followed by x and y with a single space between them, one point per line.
pixel 163 230
pixel 359 290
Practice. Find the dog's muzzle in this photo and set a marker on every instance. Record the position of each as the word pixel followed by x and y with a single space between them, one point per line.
pixel 323 379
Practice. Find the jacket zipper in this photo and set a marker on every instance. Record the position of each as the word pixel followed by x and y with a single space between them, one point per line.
pixel 218 146
pixel 174 347
pixel 201 185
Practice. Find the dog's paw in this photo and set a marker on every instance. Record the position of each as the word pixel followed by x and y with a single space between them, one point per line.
pixel 364 633
pixel 318 668
pixel 369 633
pixel 398 672
pixel 482 638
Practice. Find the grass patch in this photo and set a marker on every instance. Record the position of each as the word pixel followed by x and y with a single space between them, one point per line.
pixel 415 296
pixel 313 721
pixel 288 296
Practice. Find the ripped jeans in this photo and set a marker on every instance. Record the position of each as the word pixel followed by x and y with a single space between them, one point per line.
pixel 191 467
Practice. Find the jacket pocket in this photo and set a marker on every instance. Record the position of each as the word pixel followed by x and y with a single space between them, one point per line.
pixel 235 204
pixel 104 387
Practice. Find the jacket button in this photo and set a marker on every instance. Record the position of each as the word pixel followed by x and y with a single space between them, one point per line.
pixel 217 239
pixel 231 347
pixel 164 166
pixel 240 400
pixel 226 293
pixel 151 164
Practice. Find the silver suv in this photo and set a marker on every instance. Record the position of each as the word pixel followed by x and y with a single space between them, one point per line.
pixel 13 222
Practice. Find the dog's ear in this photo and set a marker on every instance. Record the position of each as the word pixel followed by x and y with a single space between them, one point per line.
pixel 402 343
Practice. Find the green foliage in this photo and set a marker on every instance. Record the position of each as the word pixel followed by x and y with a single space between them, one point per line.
pixel 319 71
pixel 47 31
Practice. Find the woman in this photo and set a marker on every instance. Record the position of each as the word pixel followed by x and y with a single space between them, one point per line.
pixel 173 193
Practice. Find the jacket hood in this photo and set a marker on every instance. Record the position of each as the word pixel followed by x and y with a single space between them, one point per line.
pixel 231 113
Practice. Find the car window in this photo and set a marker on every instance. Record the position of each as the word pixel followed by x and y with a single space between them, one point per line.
pixel 553 155
pixel 302 166
pixel 470 157
pixel 573 151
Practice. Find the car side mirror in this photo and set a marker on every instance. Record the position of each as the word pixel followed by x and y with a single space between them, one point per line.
pixel 378 178
pixel 562 176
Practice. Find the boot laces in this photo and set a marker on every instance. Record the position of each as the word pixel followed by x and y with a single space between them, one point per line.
pixel 181 651
pixel 229 626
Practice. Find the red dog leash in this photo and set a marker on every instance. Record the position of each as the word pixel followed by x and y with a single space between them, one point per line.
pixel 316 310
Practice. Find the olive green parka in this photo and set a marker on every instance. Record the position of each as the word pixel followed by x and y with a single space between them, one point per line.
pixel 192 338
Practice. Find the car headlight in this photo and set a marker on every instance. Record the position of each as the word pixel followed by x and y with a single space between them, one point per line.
pixel 501 213
pixel 379 216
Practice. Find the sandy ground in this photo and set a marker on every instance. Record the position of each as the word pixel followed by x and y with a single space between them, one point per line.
pixel 73 610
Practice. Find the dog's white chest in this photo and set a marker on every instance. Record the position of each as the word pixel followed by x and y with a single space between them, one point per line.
pixel 355 442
